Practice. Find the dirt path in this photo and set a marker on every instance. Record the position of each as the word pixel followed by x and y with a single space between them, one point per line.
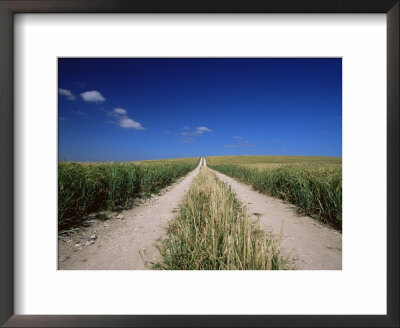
pixel 128 243
pixel 312 245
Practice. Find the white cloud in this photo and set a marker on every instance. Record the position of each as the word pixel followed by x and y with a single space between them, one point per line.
pixel 67 93
pixel 202 129
pixel 127 123
pixel 93 96
pixel 238 137
pixel 197 132
pixel 124 121
pixel 120 111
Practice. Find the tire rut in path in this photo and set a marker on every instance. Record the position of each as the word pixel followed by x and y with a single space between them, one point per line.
pixel 127 244
pixel 311 244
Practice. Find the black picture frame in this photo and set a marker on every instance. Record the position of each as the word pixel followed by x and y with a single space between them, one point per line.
pixel 10 7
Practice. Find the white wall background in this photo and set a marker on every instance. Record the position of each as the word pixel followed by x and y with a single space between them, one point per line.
pixel 360 288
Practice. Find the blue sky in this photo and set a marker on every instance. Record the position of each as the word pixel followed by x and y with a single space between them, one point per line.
pixel 147 108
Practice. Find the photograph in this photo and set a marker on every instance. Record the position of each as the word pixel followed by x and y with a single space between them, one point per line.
pixel 207 163
pixel 155 155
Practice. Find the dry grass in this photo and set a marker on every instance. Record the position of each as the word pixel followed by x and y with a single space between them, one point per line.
pixel 213 232
pixel 275 161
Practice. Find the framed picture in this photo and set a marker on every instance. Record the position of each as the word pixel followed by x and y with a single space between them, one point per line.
pixel 55 42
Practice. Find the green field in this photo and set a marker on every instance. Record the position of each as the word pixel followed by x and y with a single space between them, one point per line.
pixel 314 184
pixel 249 160
pixel 85 188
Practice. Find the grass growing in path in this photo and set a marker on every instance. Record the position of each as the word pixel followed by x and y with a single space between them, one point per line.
pixel 212 231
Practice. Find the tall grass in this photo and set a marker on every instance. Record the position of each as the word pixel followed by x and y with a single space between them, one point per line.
pixel 274 160
pixel 213 232
pixel 317 191
pixel 92 187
